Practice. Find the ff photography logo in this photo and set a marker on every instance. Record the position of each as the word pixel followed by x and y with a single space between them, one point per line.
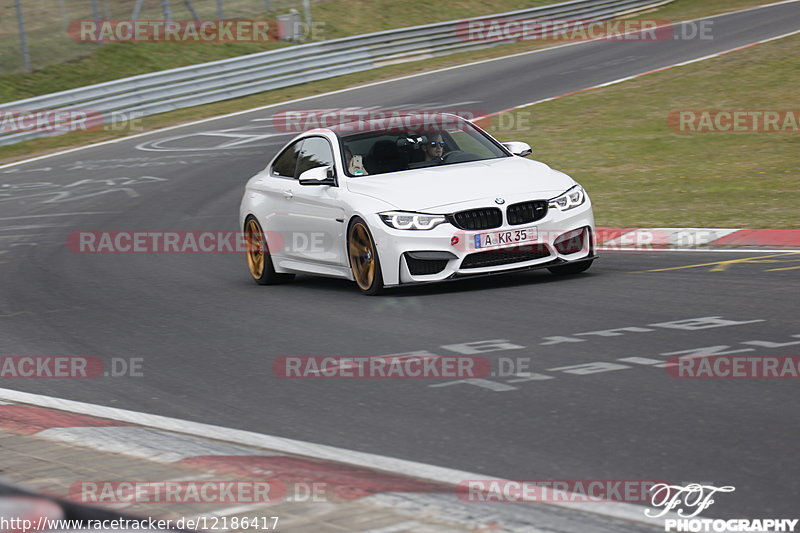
pixel 695 498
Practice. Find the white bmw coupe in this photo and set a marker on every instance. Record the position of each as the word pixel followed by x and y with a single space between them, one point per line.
pixel 390 203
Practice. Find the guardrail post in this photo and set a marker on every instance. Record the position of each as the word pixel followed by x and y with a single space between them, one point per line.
pixel 307 9
pixel 191 9
pixel 63 10
pixel 166 10
pixel 137 8
pixel 96 14
pixel 23 39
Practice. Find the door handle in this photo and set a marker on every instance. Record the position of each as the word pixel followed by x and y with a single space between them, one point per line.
pixel 288 194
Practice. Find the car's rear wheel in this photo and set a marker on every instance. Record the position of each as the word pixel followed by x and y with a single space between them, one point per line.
pixel 364 260
pixel 258 259
pixel 572 268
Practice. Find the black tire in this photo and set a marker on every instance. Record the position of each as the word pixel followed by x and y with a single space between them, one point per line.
pixel 572 268
pixel 363 256
pixel 259 262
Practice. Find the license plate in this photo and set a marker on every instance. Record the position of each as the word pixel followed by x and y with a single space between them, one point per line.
pixel 502 238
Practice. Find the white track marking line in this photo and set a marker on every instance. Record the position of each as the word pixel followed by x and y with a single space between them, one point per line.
pixel 61 215
pixel 35 226
pixel 372 84
pixel 448 476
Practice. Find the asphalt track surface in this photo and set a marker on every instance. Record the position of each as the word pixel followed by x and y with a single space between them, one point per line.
pixel 208 334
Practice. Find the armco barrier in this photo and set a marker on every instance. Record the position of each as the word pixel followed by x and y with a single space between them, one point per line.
pixel 158 92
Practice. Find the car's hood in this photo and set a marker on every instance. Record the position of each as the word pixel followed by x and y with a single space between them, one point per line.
pixel 435 188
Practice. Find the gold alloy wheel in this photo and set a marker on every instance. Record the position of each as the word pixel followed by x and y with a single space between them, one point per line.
pixel 255 249
pixel 362 255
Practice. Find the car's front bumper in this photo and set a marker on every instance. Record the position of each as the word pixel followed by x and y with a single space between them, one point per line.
pixel 426 256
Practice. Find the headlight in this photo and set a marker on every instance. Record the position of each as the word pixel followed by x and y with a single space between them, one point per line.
pixel 570 199
pixel 413 221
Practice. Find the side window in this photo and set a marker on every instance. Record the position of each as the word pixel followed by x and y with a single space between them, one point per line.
pixel 316 152
pixel 286 163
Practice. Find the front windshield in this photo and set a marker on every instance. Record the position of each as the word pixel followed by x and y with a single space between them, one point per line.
pixel 408 147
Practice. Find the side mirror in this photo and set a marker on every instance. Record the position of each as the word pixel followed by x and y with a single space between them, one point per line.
pixel 518 148
pixel 318 176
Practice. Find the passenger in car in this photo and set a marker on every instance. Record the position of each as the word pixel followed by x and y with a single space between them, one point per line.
pixel 354 165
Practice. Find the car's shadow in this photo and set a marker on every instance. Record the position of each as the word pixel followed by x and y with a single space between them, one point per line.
pixel 463 285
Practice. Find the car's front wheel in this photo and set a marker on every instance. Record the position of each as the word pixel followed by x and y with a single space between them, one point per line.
pixel 572 268
pixel 364 258
pixel 258 259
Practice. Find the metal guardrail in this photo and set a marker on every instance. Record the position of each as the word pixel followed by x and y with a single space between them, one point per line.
pixel 168 90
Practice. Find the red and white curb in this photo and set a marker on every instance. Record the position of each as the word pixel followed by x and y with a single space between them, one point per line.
pixel 418 490
pixel 705 239
pixel 202 453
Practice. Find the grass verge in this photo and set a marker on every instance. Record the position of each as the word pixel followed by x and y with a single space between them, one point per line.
pixel 640 172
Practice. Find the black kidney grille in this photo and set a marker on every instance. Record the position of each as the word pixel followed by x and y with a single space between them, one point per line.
pixel 505 256
pixel 484 218
pixel 526 212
